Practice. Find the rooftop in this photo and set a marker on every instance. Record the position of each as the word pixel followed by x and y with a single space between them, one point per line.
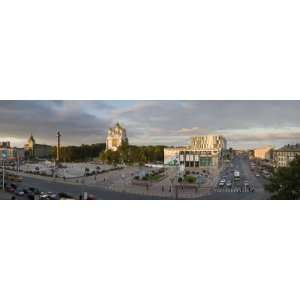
pixel 289 147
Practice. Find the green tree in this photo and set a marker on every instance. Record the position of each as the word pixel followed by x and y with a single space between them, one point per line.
pixel 285 181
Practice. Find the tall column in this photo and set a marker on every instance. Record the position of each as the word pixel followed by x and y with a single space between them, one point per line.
pixel 58 147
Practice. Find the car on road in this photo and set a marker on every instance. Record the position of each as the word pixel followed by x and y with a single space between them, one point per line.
pixel 65 196
pixel 10 189
pixel 222 182
pixel 19 192
pixel 44 196
pixel 229 184
pixel 30 196
pixel 53 196
pixel 257 175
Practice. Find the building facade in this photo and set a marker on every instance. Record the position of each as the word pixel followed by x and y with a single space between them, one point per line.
pixel 5 144
pixel 283 156
pixel 116 136
pixel 37 151
pixel 204 152
pixel 171 155
pixel 11 153
pixel 263 153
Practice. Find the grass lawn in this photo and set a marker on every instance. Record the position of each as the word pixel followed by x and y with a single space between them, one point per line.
pixel 155 177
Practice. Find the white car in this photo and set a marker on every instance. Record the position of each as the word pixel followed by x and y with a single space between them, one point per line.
pixel 257 175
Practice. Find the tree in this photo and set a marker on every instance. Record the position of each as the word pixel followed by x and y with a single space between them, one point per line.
pixel 79 153
pixel 133 154
pixel 285 181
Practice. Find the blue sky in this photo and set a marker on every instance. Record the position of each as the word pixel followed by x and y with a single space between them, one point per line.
pixel 245 124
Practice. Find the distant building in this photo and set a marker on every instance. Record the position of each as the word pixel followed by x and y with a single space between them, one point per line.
pixel 171 155
pixel 34 150
pixel 11 153
pixel 116 136
pixel 205 152
pixel 263 152
pixel 283 156
pixel 5 144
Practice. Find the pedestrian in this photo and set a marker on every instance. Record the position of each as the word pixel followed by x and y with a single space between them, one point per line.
pixel 80 197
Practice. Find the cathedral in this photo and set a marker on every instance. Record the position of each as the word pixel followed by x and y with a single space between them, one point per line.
pixel 116 136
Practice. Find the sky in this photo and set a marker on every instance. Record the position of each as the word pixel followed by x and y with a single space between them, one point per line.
pixel 245 124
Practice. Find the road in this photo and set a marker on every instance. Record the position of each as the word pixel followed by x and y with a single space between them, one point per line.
pixel 75 190
pixel 238 190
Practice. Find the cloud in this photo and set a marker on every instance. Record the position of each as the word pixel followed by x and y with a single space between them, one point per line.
pixel 152 122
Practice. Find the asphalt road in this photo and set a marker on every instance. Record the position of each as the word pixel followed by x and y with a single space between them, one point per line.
pixel 75 190
pixel 242 165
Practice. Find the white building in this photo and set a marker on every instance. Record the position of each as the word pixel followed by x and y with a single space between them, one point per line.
pixel 116 136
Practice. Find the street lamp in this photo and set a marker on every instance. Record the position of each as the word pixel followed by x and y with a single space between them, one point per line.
pixel 4 156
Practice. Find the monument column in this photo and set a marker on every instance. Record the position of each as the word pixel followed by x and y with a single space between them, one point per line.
pixel 58 147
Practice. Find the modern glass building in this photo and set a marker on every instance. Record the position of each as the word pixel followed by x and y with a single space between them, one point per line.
pixel 205 152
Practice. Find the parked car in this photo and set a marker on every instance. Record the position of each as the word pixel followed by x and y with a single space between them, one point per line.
pixel 19 192
pixel 64 196
pixel 30 196
pixel 10 189
pixel 53 196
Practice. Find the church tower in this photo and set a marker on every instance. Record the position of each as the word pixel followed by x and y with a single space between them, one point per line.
pixel 116 136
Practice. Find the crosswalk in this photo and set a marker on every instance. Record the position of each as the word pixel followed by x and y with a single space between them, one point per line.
pixel 233 190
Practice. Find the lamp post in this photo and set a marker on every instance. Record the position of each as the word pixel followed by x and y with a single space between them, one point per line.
pixel 4 156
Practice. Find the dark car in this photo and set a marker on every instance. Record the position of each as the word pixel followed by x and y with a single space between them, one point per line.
pixel 19 192
pixel 30 196
pixel 10 189
pixel 65 196
pixel 14 186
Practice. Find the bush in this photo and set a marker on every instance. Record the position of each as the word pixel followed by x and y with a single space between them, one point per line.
pixel 190 179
